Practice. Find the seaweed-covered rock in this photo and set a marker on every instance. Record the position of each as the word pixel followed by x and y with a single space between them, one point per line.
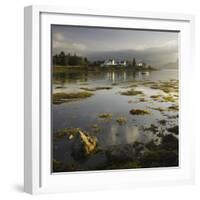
pixel 163 122
pixel 83 145
pixel 174 130
pixel 151 146
pixel 67 132
pixel 139 112
pixel 162 155
pixel 132 92
pixel 121 153
pixel 169 142
pixel 105 115
pixel 159 158
pixel 121 120
pixel 153 128
pixel 61 97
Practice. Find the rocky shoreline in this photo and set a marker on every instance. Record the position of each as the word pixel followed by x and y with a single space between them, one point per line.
pixel 135 155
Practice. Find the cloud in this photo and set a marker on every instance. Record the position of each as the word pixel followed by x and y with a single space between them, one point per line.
pixel 157 56
pixel 79 46
pixel 58 37
pixel 60 43
pixel 152 50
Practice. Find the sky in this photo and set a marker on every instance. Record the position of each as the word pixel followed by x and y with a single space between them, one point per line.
pixel 157 48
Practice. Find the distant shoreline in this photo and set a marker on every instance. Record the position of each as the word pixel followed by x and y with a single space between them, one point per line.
pixel 61 68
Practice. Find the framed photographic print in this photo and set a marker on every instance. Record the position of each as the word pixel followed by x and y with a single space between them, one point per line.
pixel 106 99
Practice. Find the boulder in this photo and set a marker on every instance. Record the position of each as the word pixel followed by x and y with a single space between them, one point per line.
pixel 83 145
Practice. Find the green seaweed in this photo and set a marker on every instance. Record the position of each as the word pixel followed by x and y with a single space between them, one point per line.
pixel 121 120
pixel 87 89
pixel 131 92
pixel 168 98
pixel 59 98
pixel 166 86
pixel 152 128
pixel 97 88
pixel 67 132
pixel 105 115
pixel 156 97
pixel 158 109
pixel 139 112
pixel 173 108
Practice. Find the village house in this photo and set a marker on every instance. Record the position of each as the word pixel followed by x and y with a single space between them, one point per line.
pixel 142 65
pixel 112 62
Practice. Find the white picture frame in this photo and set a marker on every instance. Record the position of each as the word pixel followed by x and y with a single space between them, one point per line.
pixel 37 139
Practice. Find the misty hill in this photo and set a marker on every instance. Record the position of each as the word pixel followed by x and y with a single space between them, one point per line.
pixel 171 65
pixel 153 56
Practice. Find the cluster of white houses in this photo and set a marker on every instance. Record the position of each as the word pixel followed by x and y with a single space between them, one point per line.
pixel 112 62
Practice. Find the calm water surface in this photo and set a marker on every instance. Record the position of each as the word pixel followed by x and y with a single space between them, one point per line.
pixel 84 113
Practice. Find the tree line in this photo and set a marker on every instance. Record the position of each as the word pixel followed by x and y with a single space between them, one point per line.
pixel 75 60
pixel 68 59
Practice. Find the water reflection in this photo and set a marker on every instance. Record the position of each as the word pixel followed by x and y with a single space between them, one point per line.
pixel 143 75
pixel 70 77
pixel 108 76
pixel 77 76
pixel 122 135
pixel 132 134
pixel 116 77
pixel 117 135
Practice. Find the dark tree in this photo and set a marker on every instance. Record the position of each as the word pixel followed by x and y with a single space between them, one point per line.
pixel 134 62
pixel 62 58
pixel 86 60
pixel 67 59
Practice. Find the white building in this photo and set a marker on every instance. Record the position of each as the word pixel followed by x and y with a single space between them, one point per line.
pixel 123 63
pixel 140 64
pixel 112 62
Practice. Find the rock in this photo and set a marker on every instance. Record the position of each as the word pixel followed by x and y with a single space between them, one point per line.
pixel 83 145
pixel 67 132
pixel 89 142
pixel 169 142
pixel 139 112
pixel 121 153
pixel 159 158
pixel 71 136
pixel 173 130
